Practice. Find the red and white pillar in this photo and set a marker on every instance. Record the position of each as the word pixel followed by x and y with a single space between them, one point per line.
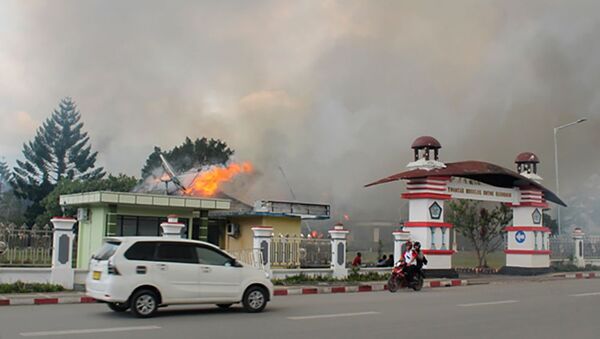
pixel 400 238
pixel 528 240
pixel 426 197
pixel 338 251
pixel 261 246
pixel 62 252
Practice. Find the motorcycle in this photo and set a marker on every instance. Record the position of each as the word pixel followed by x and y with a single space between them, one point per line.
pixel 398 279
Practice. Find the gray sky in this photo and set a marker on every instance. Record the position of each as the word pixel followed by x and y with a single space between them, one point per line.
pixel 333 91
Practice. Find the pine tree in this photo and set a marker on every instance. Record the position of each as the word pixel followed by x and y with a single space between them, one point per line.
pixel 4 176
pixel 59 150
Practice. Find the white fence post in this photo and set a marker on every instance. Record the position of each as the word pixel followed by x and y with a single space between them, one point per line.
pixel 338 251
pixel 400 237
pixel 578 258
pixel 172 228
pixel 62 254
pixel 261 243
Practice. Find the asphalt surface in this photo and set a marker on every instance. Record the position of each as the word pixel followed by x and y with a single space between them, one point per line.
pixel 547 309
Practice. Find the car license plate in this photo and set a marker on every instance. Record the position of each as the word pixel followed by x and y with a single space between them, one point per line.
pixel 96 275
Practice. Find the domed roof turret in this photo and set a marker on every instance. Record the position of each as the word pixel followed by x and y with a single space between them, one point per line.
pixel 426 142
pixel 527 157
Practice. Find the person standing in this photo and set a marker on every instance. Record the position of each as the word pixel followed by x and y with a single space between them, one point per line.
pixel 357 260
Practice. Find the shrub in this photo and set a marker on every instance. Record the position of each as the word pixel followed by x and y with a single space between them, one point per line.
pixel 22 287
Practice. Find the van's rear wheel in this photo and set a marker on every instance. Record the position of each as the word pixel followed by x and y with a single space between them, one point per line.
pixel 118 307
pixel 144 303
pixel 255 299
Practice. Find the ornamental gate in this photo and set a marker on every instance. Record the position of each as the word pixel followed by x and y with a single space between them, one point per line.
pixel 430 183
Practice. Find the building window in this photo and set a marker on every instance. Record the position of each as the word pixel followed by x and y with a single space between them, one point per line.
pixel 129 226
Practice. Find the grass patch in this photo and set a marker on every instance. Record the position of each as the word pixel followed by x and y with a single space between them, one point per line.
pixel 469 259
pixel 22 287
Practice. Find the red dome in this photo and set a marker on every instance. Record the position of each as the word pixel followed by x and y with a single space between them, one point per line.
pixel 426 141
pixel 527 157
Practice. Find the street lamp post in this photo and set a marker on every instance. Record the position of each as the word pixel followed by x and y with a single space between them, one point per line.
pixel 556 129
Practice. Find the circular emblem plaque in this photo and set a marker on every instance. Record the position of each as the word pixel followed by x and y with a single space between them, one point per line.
pixel 520 237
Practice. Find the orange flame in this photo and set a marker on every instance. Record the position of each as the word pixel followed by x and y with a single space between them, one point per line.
pixel 207 182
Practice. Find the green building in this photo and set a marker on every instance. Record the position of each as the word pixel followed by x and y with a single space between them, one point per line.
pixel 103 214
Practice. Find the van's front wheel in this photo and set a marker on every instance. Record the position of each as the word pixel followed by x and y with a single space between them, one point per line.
pixel 255 299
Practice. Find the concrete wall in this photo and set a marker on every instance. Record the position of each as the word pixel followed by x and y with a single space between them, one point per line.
pixel 283 225
pixel 244 241
pixel 91 233
pixel 25 274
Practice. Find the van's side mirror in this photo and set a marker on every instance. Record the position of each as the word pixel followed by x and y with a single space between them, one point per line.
pixel 234 263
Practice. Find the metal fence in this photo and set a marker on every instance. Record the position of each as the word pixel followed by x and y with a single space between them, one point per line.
pixel 297 252
pixel 591 247
pixel 564 247
pixel 24 246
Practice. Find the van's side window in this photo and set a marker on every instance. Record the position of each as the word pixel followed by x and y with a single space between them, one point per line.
pixel 143 250
pixel 209 256
pixel 176 252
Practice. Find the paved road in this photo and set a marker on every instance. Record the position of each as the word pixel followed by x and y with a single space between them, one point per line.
pixel 552 309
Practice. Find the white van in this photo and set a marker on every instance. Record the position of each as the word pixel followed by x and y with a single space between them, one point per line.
pixel 145 273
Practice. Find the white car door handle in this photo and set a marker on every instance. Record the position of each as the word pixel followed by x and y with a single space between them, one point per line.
pixel 206 269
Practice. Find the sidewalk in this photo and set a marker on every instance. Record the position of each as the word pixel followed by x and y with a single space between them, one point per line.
pixel 375 286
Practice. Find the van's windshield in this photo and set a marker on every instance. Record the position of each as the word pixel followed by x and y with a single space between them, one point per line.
pixel 108 249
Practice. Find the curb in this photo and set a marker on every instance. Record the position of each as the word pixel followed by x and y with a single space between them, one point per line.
pixel 360 288
pixel 590 275
pixel 45 301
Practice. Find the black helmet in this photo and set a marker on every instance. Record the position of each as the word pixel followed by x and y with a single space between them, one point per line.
pixel 417 244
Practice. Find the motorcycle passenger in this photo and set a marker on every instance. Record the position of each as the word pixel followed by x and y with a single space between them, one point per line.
pixel 420 257
pixel 410 258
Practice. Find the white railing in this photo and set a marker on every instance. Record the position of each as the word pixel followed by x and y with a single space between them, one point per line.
pixel 249 257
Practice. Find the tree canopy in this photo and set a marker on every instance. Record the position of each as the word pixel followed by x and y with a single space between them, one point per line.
pixel 190 154
pixel 119 183
pixel 482 227
pixel 60 149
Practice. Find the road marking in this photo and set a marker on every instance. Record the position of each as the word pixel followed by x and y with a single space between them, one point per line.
pixel 489 303
pixel 87 331
pixel 336 315
pixel 585 294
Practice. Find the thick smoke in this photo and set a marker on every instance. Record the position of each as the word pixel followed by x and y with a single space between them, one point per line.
pixel 332 92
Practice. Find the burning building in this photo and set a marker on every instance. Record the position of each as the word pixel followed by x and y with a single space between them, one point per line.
pixel 198 201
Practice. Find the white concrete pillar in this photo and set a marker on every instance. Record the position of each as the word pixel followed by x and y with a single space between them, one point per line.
pixel 400 238
pixel 527 239
pixel 261 246
pixel 338 250
pixel 172 228
pixel 62 252
pixel 426 197
pixel 578 257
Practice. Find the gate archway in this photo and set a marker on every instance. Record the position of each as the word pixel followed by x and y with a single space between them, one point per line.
pixel 430 183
